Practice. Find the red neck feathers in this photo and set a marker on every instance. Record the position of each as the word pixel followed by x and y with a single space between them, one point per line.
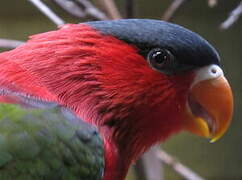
pixel 107 83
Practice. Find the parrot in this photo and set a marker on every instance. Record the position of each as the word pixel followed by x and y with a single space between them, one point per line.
pixel 99 94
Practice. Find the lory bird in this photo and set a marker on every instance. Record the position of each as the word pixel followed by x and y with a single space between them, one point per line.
pixel 124 85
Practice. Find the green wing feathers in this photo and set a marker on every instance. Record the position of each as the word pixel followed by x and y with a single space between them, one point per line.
pixel 41 144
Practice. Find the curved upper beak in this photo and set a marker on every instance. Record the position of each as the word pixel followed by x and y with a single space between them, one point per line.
pixel 210 105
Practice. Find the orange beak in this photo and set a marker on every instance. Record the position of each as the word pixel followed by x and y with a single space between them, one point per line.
pixel 209 108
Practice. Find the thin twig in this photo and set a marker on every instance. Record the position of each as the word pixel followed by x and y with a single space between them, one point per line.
pixel 233 17
pixel 182 170
pixel 10 44
pixel 129 7
pixel 212 3
pixel 169 13
pixel 81 8
pixel 48 12
pixel 71 7
pixel 91 10
pixel 148 167
pixel 111 9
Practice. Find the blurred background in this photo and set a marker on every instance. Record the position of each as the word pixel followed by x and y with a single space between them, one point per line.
pixel 213 161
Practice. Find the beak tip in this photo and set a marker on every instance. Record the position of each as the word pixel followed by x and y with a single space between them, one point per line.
pixel 213 140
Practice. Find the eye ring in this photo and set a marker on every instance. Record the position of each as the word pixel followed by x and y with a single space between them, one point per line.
pixel 160 58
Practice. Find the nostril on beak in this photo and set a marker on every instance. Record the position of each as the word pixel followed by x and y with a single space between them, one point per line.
pixel 214 71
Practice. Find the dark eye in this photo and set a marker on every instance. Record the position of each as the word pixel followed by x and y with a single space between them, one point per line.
pixel 160 58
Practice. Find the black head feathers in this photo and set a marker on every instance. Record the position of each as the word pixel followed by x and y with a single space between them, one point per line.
pixel 188 48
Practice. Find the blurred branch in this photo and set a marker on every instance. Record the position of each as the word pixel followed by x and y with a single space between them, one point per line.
pixel 129 7
pixel 184 171
pixel 212 3
pixel 233 17
pixel 81 8
pixel 111 9
pixel 148 167
pixel 71 7
pixel 169 13
pixel 90 9
pixel 10 44
pixel 48 12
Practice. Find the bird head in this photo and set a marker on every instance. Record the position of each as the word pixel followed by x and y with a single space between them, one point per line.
pixel 172 77
pixel 139 81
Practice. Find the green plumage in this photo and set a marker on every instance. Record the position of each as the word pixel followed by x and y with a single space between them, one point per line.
pixel 41 144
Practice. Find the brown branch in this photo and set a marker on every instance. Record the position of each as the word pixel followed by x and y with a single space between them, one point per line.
pixel 48 12
pixel 111 9
pixel 233 17
pixel 10 44
pixel 182 170
pixel 148 167
pixel 169 13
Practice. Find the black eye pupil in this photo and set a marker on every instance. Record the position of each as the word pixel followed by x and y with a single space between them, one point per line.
pixel 160 59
